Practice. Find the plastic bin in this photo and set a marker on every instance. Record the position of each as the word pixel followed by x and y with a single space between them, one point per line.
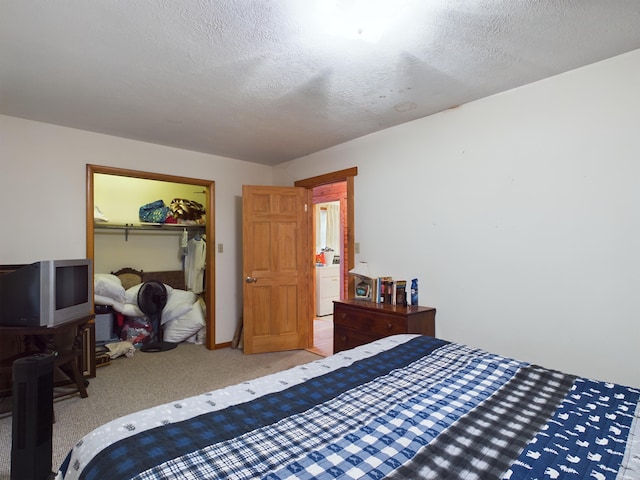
pixel 104 323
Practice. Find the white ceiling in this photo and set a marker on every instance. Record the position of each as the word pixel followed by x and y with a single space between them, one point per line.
pixel 268 81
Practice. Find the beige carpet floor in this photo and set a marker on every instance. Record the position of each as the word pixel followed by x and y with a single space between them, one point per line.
pixel 147 379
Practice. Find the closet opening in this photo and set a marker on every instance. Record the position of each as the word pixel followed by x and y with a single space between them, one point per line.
pixel 150 247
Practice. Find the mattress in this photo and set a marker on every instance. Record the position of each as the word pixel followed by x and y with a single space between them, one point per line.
pixel 402 407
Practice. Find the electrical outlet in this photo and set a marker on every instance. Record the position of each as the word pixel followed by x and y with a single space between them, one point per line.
pixel 220 248
pixel 356 246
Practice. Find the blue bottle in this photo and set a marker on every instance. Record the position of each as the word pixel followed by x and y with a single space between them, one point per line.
pixel 414 291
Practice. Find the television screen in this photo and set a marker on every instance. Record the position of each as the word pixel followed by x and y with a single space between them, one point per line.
pixel 71 285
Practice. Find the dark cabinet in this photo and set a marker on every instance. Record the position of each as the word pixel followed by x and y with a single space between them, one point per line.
pixel 356 322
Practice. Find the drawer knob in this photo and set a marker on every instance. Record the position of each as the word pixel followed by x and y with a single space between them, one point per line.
pixel 390 326
pixel 344 338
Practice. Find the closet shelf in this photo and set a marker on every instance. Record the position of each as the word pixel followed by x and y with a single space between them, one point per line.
pixel 157 227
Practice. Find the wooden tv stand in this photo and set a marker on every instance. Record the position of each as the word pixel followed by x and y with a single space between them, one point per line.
pixel 75 360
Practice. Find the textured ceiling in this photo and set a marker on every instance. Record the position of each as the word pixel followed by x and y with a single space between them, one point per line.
pixel 268 81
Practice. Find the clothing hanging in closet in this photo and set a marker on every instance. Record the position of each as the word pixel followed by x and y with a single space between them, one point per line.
pixel 195 264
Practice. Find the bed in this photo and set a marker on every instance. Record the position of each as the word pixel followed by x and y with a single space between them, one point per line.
pixel 403 407
pixel 183 317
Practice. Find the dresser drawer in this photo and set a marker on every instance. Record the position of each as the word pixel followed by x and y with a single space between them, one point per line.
pixel 346 338
pixel 380 323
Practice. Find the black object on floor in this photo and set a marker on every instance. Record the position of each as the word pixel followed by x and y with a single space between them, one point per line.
pixel 152 298
pixel 31 441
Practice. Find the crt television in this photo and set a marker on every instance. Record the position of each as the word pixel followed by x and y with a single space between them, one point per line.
pixel 46 293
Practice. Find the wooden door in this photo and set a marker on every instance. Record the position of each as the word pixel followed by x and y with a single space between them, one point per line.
pixel 276 264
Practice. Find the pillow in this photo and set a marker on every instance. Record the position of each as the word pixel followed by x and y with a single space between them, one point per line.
pixel 131 294
pixel 185 326
pixel 108 285
pixel 198 338
pixel 102 300
pixel 179 302
pixel 127 309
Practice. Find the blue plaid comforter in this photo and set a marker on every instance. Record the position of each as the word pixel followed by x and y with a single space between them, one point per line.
pixel 418 408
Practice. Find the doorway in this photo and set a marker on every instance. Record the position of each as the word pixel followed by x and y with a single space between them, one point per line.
pixel 335 186
pixel 208 188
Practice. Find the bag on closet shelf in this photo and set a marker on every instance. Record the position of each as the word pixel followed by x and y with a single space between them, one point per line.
pixel 187 210
pixel 154 212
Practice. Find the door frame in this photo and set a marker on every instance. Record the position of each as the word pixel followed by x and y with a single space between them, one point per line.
pixel 346 175
pixel 209 187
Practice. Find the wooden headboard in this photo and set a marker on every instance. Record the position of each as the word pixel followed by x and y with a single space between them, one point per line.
pixel 173 278
pixel 131 276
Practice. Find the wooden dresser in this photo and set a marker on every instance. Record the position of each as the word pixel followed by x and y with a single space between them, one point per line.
pixel 356 322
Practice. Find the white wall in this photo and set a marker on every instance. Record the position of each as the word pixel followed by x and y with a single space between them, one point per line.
pixel 43 185
pixel 519 214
